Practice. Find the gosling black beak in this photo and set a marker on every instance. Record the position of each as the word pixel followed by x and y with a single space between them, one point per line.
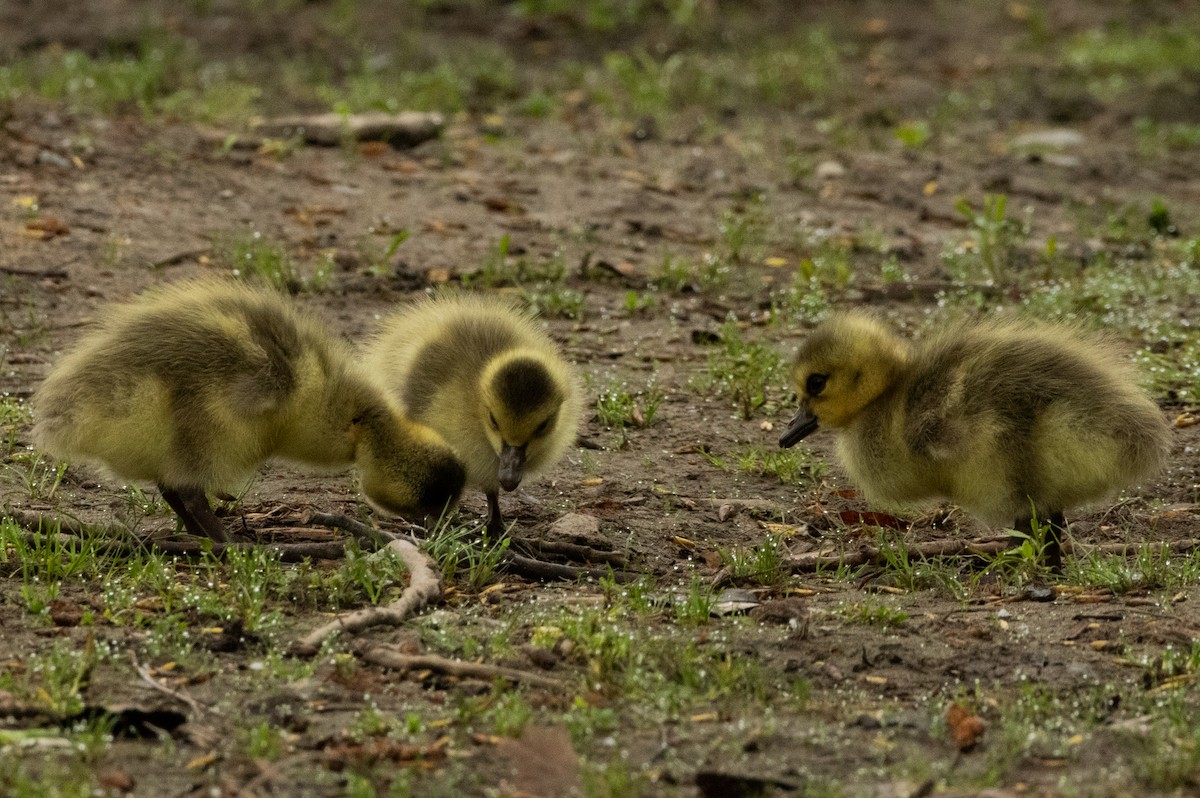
pixel 800 427
pixel 512 466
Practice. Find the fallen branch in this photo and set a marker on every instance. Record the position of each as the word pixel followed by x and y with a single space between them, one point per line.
pixel 988 547
pixel 176 258
pixel 539 569
pixel 363 533
pixel 391 658
pixel 142 671
pixel 288 552
pixel 424 587
pixel 53 274
pixel 44 523
pixel 574 551
pixel 1130 549
pixel 120 541
pixel 406 129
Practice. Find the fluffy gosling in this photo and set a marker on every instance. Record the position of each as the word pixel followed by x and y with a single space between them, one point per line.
pixel 494 386
pixel 1007 419
pixel 195 385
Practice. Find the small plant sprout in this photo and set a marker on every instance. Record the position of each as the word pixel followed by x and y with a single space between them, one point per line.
pixel 744 371
pixel 251 256
pixel 617 406
pixel 764 563
pixel 381 266
pixel 873 613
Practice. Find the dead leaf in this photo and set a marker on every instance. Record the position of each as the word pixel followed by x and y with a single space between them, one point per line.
pixel 202 762
pixel 114 779
pixel 374 149
pixel 1187 419
pixel 543 762
pixel 965 726
pixel 47 227
pixel 437 276
pixel 502 205
pixel 65 613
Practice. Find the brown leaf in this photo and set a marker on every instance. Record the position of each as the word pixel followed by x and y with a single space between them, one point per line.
pixel 965 726
pixel 543 762
pixel 65 613
pixel 502 205
pixel 374 149
pixel 48 227
pixel 114 779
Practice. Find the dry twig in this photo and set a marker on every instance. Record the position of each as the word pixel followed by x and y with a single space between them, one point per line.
pixel 574 551
pixel 424 587
pixel 539 569
pixel 146 676
pixel 391 658
pixel 988 547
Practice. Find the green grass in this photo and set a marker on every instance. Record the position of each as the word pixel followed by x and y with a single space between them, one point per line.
pixel 790 466
pixel 873 613
pixel 619 406
pixel 763 563
pixel 799 68
pixel 994 253
pixel 253 257
pixel 466 554
pixel 744 371
pixel 1118 58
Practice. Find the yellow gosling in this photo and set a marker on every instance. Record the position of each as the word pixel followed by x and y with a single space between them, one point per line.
pixel 1010 420
pixel 193 386
pixel 483 374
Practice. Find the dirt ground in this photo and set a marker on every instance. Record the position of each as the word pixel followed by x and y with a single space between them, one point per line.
pixel 1068 686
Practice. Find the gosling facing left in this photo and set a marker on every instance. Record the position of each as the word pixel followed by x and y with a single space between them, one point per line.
pixel 196 384
pixel 480 371
pixel 1006 419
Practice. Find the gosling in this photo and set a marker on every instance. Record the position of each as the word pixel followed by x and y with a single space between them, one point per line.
pixel 1007 419
pixel 479 371
pixel 195 385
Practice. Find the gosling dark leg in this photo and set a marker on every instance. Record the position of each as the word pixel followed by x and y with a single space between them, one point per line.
pixel 495 521
pixel 192 507
pixel 1057 528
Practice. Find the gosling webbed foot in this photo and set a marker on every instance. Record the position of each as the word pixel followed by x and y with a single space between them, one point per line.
pixel 192 507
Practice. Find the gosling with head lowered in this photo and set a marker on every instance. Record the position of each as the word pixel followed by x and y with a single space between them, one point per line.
pixel 1008 419
pixel 193 386
pixel 477 369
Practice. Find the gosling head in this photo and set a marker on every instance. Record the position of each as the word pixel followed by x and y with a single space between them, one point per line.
pixel 520 399
pixel 846 364
pixel 406 469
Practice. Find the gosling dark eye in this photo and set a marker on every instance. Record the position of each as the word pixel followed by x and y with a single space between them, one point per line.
pixel 815 384
pixel 542 428
pixel 495 423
